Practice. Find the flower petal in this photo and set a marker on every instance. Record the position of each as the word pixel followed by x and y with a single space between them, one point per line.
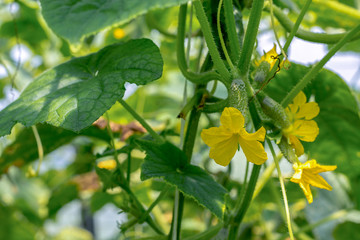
pixel 307 192
pixel 306 130
pixel 315 180
pixel 253 150
pixel 317 168
pixel 232 119
pixel 107 164
pixel 296 144
pixel 307 174
pixel 224 151
pixel 299 100
pixel 259 135
pixel 308 111
pixel 270 57
pixel 215 135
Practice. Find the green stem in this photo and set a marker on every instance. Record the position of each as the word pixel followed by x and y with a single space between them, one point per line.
pixel 273 27
pixel 174 232
pixel 188 48
pixel 264 178
pixel 334 216
pixel 283 189
pixel 246 172
pixel 244 186
pixel 215 56
pixel 315 70
pixel 125 185
pixel 191 133
pixel 139 206
pixel 231 30
pixel 191 104
pixel 237 217
pixel 198 58
pixel 188 149
pixel 157 200
pixel 301 231
pixel 216 107
pixel 277 199
pixel 307 35
pixel 340 8
pixel 197 78
pixel 141 121
pixel 250 36
pixel 297 24
pixel 293 31
pixel 39 146
pixel 222 39
pixel 245 203
pixel 128 173
pixel 145 216
pixel 208 234
pixel 153 23
pixel 213 89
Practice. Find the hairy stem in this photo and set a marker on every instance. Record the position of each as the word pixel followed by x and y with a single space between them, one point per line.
pixel 297 24
pixel 250 36
pixel 222 39
pixel 307 35
pixel 40 148
pixel 283 190
pixel 180 53
pixel 231 30
pixel 141 121
pixel 215 55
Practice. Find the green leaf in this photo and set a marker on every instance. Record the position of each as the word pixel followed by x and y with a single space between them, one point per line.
pixel 75 19
pixel 76 93
pixel 106 177
pixel 338 120
pixel 170 163
pixel 60 196
pixel 347 230
pixel 332 14
pixel 100 199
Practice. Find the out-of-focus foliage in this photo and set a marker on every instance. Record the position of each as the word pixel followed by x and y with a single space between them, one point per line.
pixel 64 64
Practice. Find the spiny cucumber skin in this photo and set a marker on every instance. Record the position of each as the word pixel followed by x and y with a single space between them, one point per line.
pixel 238 96
pixel 287 150
pixel 261 73
pixel 274 110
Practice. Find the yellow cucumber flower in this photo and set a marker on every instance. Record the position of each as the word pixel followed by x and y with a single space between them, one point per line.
pixel 225 140
pixel 300 113
pixel 107 164
pixel 307 174
pixel 119 33
pixel 270 57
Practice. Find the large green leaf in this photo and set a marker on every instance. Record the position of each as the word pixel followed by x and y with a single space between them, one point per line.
pixel 76 93
pixel 338 120
pixel 75 19
pixel 170 163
